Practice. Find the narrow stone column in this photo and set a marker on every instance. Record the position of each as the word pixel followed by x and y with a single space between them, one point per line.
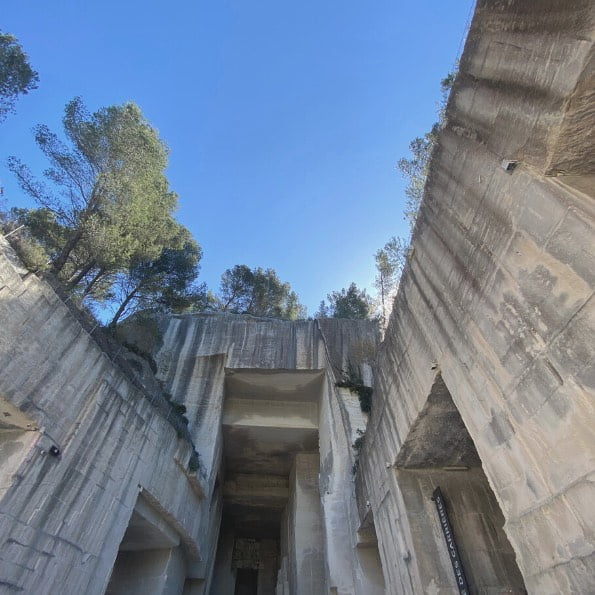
pixel 307 531
pixel 267 573
pixel 282 579
pixel 224 578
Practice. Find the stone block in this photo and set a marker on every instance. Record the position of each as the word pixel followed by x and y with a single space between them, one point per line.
pixel 542 209
pixel 573 346
pixel 572 244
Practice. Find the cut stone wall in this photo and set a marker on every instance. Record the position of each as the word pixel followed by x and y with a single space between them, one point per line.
pixel 63 515
pixel 306 552
pixel 484 384
pixel 67 519
pixel 498 296
pixel 477 523
pixel 150 572
pixel 207 360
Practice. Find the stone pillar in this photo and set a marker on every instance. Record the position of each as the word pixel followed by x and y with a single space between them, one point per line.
pixel 282 579
pixel 224 579
pixel 267 573
pixel 307 546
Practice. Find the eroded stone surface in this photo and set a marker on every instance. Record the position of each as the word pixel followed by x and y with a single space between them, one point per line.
pixel 498 299
pixel 483 386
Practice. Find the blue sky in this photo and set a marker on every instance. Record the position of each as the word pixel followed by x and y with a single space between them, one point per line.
pixel 285 119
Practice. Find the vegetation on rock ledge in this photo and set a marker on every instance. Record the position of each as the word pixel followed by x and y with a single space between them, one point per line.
pixel 353 381
pixel 353 303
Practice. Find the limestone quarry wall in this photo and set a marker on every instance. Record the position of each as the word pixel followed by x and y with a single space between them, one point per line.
pixel 117 498
pixel 497 300
pixel 197 349
pixel 62 517
pixel 483 385
pixel 196 355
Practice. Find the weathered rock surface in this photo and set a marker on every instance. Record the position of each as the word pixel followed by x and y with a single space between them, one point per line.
pixel 497 299
pixel 64 512
pixel 483 386
pixel 119 501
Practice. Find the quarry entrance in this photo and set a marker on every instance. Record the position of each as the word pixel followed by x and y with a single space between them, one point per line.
pixel 440 453
pixel 151 558
pixel 271 527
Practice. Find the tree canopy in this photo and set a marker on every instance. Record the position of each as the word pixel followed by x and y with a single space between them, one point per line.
pixel 106 187
pixel 16 75
pixel 164 282
pixel 347 303
pixel 105 216
pixel 415 168
pixel 389 260
pixel 105 226
pixel 259 292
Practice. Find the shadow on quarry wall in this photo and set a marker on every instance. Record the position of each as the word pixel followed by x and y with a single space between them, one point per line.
pixel 439 453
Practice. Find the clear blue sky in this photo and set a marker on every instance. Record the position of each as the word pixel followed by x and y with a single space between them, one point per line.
pixel 285 119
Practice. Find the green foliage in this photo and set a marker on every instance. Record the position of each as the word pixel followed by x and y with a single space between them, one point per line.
pixel 194 462
pixel 348 303
pixel 353 381
pixel 446 84
pixel 365 398
pixel 198 298
pixel 390 261
pixel 293 309
pixel 43 226
pixel 28 248
pixel 16 75
pixel 258 292
pixel 105 216
pixel 358 444
pixel 323 311
pixel 415 168
pixel 30 251
pixel 180 408
pixel 162 283
pixel 106 187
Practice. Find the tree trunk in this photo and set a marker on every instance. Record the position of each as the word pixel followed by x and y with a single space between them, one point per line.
pixel 229 301
pixel 91 283
pixel 122 307
pixel 70 245
pixel 75 279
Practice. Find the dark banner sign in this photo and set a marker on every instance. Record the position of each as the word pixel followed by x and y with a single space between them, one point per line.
pixel 453 552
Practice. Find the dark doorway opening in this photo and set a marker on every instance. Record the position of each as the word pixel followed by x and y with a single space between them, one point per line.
pixel 270 418
pixel 246 582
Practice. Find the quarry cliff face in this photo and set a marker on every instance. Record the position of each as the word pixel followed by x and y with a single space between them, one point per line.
pixel 472 473
pixel 97 476
pixel 492 330
pixel 267 420
pixel 81 443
